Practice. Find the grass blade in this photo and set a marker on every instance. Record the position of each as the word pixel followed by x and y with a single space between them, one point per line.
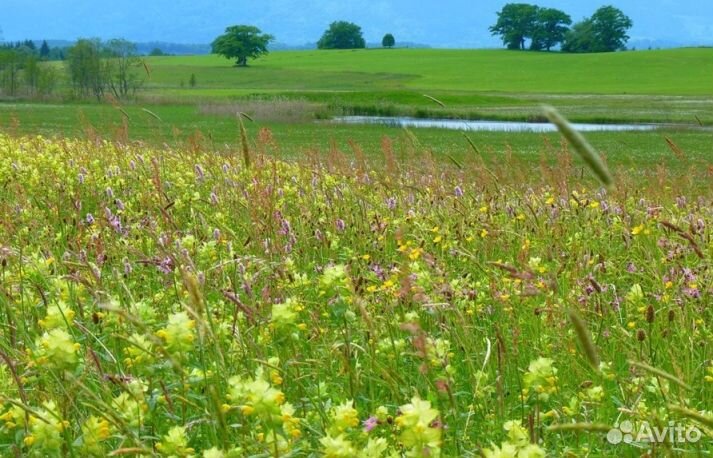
pixel 580 144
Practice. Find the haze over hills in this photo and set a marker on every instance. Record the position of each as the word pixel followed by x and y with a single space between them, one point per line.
pixel 448 23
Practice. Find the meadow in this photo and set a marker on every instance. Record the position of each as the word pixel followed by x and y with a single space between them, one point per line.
pixel 176 281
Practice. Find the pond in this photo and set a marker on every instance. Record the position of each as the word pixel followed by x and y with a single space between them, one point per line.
pixel 492 126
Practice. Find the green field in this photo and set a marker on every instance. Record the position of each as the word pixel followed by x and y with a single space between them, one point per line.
pixel 472 83
pixel 288 91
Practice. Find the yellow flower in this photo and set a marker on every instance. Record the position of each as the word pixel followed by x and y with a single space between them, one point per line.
pixel 175 443
pixel 56 348
pixel 417 252
pixel 344 416
pixel 417 431
pixel 178 334
pixel 337 447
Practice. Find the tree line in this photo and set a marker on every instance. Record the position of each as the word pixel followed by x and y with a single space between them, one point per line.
pixel 93 68
pixel 20 69
pixel 546 28
pixel 241 42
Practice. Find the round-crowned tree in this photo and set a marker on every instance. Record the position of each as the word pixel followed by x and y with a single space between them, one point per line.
pixel 240 42
pixel 388 41
pixel 342 35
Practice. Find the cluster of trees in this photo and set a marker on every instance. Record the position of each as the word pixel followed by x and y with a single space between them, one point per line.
pixel 96 68
pixel 93 68
pixel 241 42
pixel 546 28
pixel 21 72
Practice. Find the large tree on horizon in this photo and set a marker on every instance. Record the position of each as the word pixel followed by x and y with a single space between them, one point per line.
pixel 605 31
pixel 550 28
pixel 241 42
pixel 342 35
pixel 516 22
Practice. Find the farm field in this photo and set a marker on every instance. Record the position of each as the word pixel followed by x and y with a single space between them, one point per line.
pixel 176 281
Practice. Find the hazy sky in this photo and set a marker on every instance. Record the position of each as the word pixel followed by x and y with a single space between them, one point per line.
pixel 446 23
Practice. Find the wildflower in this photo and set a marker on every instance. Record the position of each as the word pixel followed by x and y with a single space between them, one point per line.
pixel 57 349
pixel 139 351
pixel 257 397
pixel 635 294
pixel 541 376
pixel 46 433
pixel 94 432
pixel 337 447
pixel 344 416
pixel 709 374
pixel 179 333
pixel 130 408
pixel 175 443
pixel 58 316
pixel 214 452
pixel 14 417
pixel 517 444
pixel 370 423
pixel 517 434
pixel 375 448
pixel 417 431
pixel 284 314
pixel 290 423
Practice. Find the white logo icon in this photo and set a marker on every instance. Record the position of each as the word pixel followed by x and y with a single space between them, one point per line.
pixel 673 433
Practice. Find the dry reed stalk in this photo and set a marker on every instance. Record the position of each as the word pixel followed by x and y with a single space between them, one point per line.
pixel 435 100
pixel 245 147
pixel 580 144
pixel 661 373
pixel 580 427
pixel 585 339
pixel 693 415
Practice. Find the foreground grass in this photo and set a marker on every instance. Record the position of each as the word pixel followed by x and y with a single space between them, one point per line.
pixel 173 302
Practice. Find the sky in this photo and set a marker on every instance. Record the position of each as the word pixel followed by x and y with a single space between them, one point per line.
pixel 441 23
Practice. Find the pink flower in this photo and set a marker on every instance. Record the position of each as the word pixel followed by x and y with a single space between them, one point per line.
pixel 370 423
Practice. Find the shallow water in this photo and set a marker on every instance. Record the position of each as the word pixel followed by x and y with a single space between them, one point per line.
pixel 491 126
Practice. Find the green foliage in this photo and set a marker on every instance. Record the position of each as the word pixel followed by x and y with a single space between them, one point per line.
pixel 388 41
pixel 550 28
pixel 241 42
pixel 95 68
pixel 342 35
pixel 44 50
pixel 516 22
pixel 86 70
pixel 11 63
pixel 547 27
pixel 605 31
pixel 123 67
